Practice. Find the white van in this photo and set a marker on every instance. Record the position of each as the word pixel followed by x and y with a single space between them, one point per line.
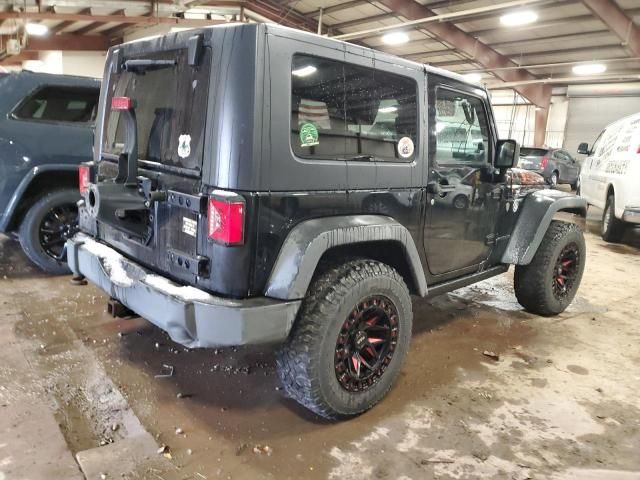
pixel 610 175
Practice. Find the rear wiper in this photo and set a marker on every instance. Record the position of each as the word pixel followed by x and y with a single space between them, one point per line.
pixel 144 65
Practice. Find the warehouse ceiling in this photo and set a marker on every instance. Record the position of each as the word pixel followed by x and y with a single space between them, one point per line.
pixel 466 36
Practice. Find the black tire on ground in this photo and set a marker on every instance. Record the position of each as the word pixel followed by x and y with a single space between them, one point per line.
pixel 548 284
pixel 315 355
pixel 612 228
pixel 29 233
pixel 553 179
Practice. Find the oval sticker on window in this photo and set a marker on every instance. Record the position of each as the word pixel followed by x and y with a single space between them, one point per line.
pixel 405 147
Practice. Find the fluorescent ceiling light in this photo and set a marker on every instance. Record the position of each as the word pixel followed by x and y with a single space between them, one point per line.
pixel 36 29
pixel 589 68
pixel 304 71
pixel 390 109
pixel 521 17
pixel 472 77
pixel 395 38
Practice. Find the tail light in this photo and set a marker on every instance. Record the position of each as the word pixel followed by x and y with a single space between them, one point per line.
pixel 84 178
pixel 544 162
pixel 226 218
pixel 121 103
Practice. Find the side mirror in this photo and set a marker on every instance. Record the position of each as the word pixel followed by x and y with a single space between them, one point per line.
pixel 583 148
pixel 507 153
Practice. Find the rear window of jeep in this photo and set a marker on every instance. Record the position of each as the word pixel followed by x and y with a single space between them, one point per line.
pixel 341 111
pixel 171 108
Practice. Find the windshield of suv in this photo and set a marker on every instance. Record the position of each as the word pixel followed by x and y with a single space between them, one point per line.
pixel 171 106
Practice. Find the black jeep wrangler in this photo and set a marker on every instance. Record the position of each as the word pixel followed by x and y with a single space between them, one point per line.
pixel 256 184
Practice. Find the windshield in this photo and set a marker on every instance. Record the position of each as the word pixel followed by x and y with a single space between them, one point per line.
pixel 171 106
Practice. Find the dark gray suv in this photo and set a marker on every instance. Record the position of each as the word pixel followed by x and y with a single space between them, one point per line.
pixel 554 164
pixel 46 130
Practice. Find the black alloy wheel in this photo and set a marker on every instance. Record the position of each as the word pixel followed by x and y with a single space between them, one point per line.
pixel 366 343
pixel 566 271
pixel 47 225
pixel 57 226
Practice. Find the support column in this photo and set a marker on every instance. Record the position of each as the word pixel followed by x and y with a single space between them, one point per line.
pixel 542 114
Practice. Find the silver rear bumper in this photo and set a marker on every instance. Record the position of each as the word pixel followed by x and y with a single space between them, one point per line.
pixel 191 317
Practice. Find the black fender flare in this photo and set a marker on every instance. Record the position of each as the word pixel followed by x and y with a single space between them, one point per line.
pixel 309 240
pixel 22 187
pixel 536 214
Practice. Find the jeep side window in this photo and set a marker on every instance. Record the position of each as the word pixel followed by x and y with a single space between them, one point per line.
pixel 462 130
pixel 342 111
pixel 59 104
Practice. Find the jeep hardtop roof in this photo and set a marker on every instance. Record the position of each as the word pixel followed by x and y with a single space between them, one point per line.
pixel 173 40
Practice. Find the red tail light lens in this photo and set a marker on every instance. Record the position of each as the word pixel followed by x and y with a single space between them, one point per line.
pixel 544 162
pixel 121 103
pixel 226 220
pixel 84 178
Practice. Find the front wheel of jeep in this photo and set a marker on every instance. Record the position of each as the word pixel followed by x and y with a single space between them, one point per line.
pixel 45 229
pixel 548 284
pixel 349 341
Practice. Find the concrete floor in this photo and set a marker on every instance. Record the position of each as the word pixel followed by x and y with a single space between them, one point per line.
pixel 79 389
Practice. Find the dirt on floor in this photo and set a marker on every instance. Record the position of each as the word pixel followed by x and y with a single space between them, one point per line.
pixel 488 390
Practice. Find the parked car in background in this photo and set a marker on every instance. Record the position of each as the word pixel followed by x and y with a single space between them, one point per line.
pixel 554 164
pixel 610 175
pixel 46 130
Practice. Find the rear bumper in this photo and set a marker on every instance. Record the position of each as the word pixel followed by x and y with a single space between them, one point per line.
pixel 191 317
pixel 631 215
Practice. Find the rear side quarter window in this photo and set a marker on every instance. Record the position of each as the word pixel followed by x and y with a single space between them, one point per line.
pixel 341 111
pixel 59 104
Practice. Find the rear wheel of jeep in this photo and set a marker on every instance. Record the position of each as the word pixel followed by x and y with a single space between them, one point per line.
pixel 548 284
pixel 349 341
pixel 46 227
pixel 612 228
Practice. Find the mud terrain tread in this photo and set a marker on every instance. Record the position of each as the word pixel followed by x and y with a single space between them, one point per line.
pixel 532 284
pixel 298 361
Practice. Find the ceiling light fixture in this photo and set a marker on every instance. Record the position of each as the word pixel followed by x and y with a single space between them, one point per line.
pixel 589 68
pixel 395 38
pixel 36 29
pixel 389 109
pixel 304 71
pixel 472 77
pixel 515 19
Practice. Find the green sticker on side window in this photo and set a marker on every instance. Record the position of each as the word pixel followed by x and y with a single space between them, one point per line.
pixel 308 135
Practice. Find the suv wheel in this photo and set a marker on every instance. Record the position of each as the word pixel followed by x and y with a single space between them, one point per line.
pixel 46 227
pixel 349 341
pixel 553 180
pixel 548 284
pixel 612 228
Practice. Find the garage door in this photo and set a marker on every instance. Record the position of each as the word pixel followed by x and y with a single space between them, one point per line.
pixel 588 116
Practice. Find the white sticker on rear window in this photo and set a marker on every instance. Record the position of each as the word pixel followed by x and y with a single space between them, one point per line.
pixel 405 147
pixel 184 146
pixel 189 226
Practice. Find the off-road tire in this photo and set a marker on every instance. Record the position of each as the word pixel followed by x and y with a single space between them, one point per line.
pixel 533 283
pixel 612 228
pixel 28 233
pixel 306 364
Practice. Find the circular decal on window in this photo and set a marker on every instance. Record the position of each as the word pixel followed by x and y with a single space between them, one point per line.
pixel 405 147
